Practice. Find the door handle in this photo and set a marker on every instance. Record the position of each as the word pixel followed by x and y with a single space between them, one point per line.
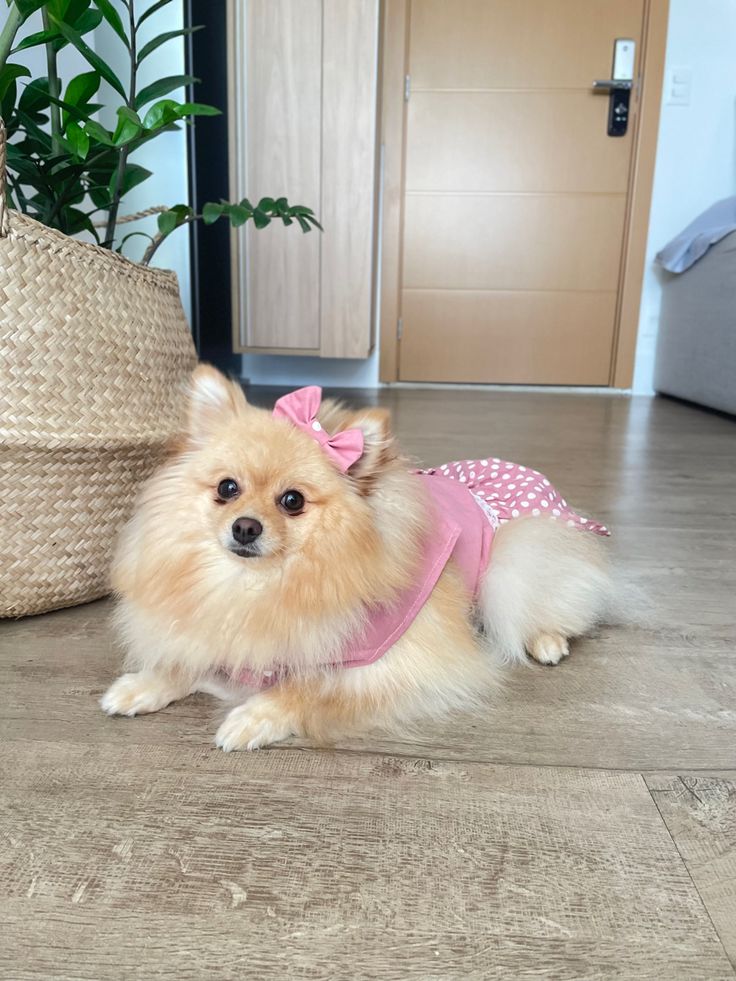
pixel 619 86
pixel 612 83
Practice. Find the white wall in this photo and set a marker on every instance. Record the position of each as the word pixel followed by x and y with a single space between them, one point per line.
pixel 696 154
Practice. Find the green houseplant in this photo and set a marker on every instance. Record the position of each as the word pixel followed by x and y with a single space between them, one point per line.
pixel 94 348
pixel 67 169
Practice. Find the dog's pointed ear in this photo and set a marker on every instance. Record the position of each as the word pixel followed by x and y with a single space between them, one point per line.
pixel 379 449
pixel 212 399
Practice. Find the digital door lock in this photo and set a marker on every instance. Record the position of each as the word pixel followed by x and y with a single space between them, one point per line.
pixel 619 85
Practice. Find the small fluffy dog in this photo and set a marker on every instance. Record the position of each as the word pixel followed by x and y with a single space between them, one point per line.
pixel 292 561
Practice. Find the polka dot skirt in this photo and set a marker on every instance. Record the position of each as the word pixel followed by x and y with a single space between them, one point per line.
pixel 506 490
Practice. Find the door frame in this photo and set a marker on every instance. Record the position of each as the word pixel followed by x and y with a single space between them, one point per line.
pixel 395 58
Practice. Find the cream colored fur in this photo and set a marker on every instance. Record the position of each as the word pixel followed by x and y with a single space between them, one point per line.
pixel 546 583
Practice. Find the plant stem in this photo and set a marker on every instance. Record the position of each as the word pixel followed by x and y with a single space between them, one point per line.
pixel 159 239
pixel 7 35
pixel 112 216
pixel 54 90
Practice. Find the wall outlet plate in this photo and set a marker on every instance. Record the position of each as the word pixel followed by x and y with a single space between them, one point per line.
pixel 678 86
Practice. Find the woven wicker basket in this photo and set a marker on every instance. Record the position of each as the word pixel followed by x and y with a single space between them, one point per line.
pixel 93 352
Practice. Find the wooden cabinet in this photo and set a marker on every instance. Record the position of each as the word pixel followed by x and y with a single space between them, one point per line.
pixel 302 115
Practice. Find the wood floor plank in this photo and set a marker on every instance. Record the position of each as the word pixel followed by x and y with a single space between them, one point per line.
pixel 700 814
pixel 163 861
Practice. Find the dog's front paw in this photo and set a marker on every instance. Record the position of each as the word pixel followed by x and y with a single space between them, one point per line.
pixel 549 648
pixel 138 693
pixel 259 722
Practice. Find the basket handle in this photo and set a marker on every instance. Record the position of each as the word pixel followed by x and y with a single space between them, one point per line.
pixel 4 222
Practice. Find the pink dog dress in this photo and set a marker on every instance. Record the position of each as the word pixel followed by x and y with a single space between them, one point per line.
pixel 470 499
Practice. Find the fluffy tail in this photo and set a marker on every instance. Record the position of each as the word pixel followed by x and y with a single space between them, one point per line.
pixel 544 578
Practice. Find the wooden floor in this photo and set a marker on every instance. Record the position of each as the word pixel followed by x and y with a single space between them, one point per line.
pixel 582 826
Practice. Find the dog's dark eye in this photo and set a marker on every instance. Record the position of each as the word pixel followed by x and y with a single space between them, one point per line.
pixel 292 501
pixel 227 489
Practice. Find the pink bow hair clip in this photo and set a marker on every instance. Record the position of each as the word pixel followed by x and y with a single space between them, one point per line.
pixel 301 408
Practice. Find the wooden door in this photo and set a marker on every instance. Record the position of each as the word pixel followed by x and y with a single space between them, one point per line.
pixel 514 197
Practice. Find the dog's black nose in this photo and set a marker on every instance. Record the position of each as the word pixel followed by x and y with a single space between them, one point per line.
pixel 246 530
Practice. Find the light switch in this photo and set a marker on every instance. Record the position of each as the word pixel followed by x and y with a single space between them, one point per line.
pixel 678 86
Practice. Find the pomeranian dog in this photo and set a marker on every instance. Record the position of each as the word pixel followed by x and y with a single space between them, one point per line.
pixel 293 562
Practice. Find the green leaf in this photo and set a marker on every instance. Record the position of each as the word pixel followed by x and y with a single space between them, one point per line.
pixel 78 140
pixel 162 87
pixel 129 126
pixel 76 197
pixel 238 214
pixel 32 129
pixel 197 109
pixel 87 22
pixel 91 56
pixel 113 19
pixel 20 164
pixel 75 221
pixel 100 197
pixel 26 7
pixel 81 88
pixel 156 42
pixel 35 96
pixel 161 114
pixel 167 222
pixel 79 91
pixel 175 216
pixel 9 74
pixel 260 218
pixel 266 204
pixel 133 176
pixel 68 110
pixel 66 172
pixel 69 10
pixel 303 223
pixel 40 37
pixel 211 212
pixel 151 10
pixel 98 132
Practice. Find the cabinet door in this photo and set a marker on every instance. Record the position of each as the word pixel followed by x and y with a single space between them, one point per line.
pixel 303 125
pixel 277 103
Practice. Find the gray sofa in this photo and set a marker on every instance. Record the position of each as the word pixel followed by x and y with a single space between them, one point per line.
pixel 696 345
